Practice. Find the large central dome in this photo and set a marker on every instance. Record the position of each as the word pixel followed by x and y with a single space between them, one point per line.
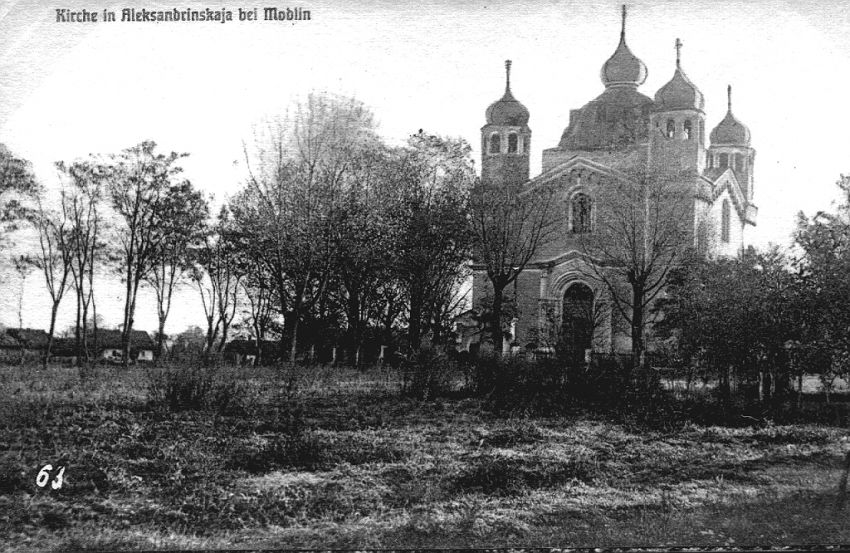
pixel 619 117
pixel 623 68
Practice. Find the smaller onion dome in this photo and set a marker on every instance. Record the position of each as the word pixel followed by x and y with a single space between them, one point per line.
pixel 623 68
pixel 679 92
pixel 730 131
pixel 507 110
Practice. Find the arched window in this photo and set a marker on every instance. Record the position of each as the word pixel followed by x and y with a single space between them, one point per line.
pixel 580 213
pixel 671 128
pixel 495 143
pixel 688 129
pixel 513 143
pixel 739 162
pixel 724 221
pixel 724 161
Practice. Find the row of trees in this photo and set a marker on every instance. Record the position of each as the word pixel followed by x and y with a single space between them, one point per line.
pixel 334 235
pixel 767 318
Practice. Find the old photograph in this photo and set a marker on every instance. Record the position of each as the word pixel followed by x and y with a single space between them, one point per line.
pixel 394 275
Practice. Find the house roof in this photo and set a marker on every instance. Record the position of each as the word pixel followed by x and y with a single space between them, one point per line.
pixel 139 339
pixel 7 341
pixel 33 338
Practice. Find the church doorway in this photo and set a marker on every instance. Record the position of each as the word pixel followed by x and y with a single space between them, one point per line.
pixel 577 321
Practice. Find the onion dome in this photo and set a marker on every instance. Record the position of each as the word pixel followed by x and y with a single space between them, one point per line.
pixel 679 92
pixel 730 131
pixel 623 68
pixel 507 111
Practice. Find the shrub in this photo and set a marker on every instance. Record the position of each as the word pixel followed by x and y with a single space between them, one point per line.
pixel 428 373
pixel 519 384
pixel 198 388
pixel 605 380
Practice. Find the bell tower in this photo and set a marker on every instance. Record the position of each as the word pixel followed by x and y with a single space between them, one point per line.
pixel 730 148
pixel 506 139
pixel 678 123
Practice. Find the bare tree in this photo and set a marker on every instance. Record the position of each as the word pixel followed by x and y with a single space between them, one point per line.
pixel 55 258
pixel 81 204
pixel 181 227
pixel 434 236
pixel 260 294
pixel 217 275
pixel 22 265
pixel 644 228
pixel 296 172
pixel 509 226
pixel 138 180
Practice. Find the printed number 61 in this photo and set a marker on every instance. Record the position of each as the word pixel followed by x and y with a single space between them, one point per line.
pixel 44 476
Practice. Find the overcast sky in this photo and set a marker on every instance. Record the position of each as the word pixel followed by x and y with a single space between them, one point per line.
pixel 68 89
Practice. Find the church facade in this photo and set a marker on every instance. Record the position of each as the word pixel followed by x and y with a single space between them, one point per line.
pixel 619 130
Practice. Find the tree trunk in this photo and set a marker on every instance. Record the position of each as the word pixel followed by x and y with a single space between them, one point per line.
pixel 160 341
pixel 296 317
pixel 50 333
pixel 638 361
pixel 415 324
pixel 293 345
pixel 258 359
pixel 125 329
pixel 78 343
pixel 496 323
pixel 354 334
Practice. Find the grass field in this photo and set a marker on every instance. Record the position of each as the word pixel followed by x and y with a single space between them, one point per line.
pixel 320 458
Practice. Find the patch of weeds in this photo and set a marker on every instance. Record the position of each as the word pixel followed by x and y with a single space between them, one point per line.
pixel 500 475
pixel 281 506
pixel 302 450
pixel 14 474
pixel 784 435
pixel 517 432
pixel 359 449
pixel 310 451
pixel 198 388
pixel 409 487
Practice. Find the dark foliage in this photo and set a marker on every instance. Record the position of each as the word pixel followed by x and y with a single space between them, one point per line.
pixel 198 388
pixel 428 373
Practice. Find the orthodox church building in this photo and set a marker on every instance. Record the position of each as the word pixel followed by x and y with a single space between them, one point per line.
pixel 619 130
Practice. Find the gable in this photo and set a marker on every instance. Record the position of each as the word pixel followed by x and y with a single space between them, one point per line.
pixel 579 171
pixel 727 181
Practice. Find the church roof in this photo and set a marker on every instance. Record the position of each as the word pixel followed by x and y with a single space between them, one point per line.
pixel 507 110
pixel 679 92
pixel 618 117
pixel 730 131
pixel 623 68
